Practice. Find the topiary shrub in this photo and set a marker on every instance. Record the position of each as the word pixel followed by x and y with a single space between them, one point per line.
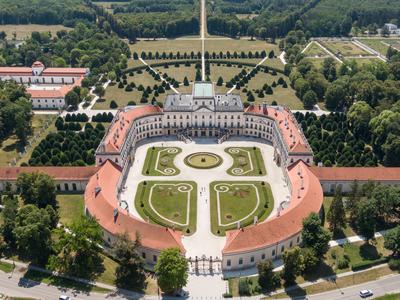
pixel 113 104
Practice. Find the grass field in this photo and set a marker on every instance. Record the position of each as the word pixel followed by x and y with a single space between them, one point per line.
pixel 6 267
pixel 247 161
pixel 363 61
pixel 239 45
pixel 168 203
pixel 179 73
pixel 376 44
pixel 160 161
pixel 167 46
pixel 10 147
pixel 71 206
pixel 24 31
pixel 315 51
pixel 389 297
pixel 346 48
pixel 122 97
pixel 107 5
pixel 238 201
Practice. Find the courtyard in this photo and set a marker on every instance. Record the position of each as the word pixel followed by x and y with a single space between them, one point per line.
pixel 235 182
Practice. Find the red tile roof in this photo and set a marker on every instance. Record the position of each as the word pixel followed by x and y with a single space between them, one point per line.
pixel 287 125
pixel 289 223
pixel 117 132
pixel 356 173
pixel 58 92
pixel 65 71
pixel 101 201
pixel 58 173
pixel 15 71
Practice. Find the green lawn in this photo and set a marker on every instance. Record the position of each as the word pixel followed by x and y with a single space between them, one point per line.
pixel 376 44
pixel 238 202
pixel 356 252
pixel 346 48
pixel 70 206
pixel 166 203
pixel 247 161
pixel 167 46
pixel 62 282
pixel 239 45
pixel 10 147
pixel 160 161
pixel 6 267
pixel 179 73
pixel 24 31
pixel 389 297
pixel 315 50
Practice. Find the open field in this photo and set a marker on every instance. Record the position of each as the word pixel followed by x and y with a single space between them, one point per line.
pixel 168 203
pixel 237 45
pixel 24 31
pixel 107 5
pixel 167 46
pixel 10 147
pixel 239 201
pixel 315 51
pixel 345 48
pixel 247 161
pixel 160 161
pixel 71 206
pixel 362 61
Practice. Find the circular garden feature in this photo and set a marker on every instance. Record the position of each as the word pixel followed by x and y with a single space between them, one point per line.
pixel 203 160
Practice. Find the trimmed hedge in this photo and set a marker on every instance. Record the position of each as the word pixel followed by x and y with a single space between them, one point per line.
pixel 368 264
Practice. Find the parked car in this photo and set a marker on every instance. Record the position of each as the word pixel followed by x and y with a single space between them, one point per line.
pixel 365 293
pixel 64 297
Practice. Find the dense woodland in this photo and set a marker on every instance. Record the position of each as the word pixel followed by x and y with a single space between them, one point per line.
pixel 46 12
pixel 319 17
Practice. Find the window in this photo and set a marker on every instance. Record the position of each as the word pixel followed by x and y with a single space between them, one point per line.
pixel 273 252
pixel 228 263
pixel 74 186
pixel 263 256
pixel 154 258
pixel 240 261
pixel 252 259
pixel 282 248
pixel 291 244
pixel 143 255
pixel 66 186
pixel 298 239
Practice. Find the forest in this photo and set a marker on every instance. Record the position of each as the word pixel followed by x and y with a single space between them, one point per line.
pixel 47 12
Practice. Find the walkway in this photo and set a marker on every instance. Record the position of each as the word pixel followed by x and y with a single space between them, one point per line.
pixel 329 52
pixel 161 76
pixel 202 37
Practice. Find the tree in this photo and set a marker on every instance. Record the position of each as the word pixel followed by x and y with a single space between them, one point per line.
pixel 130 269
pixel 9 214
pixel 353 200
pixel 392 240
pixel 314 235
pixel 171 270
pixel 220 81
pixel 33 233
pixel 293 263
pixel 99 90
pixel 365 219
pixel 334 96
pixel 72 98
pixel 391 150
pixel 185 81
pixel 309 99
pixel 336 215
pixel 359 116
pixel 310 259
pixel 267 279
pixel 37 188
pixel 77 250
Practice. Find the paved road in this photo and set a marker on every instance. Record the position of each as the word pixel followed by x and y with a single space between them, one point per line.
pixel 387 284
